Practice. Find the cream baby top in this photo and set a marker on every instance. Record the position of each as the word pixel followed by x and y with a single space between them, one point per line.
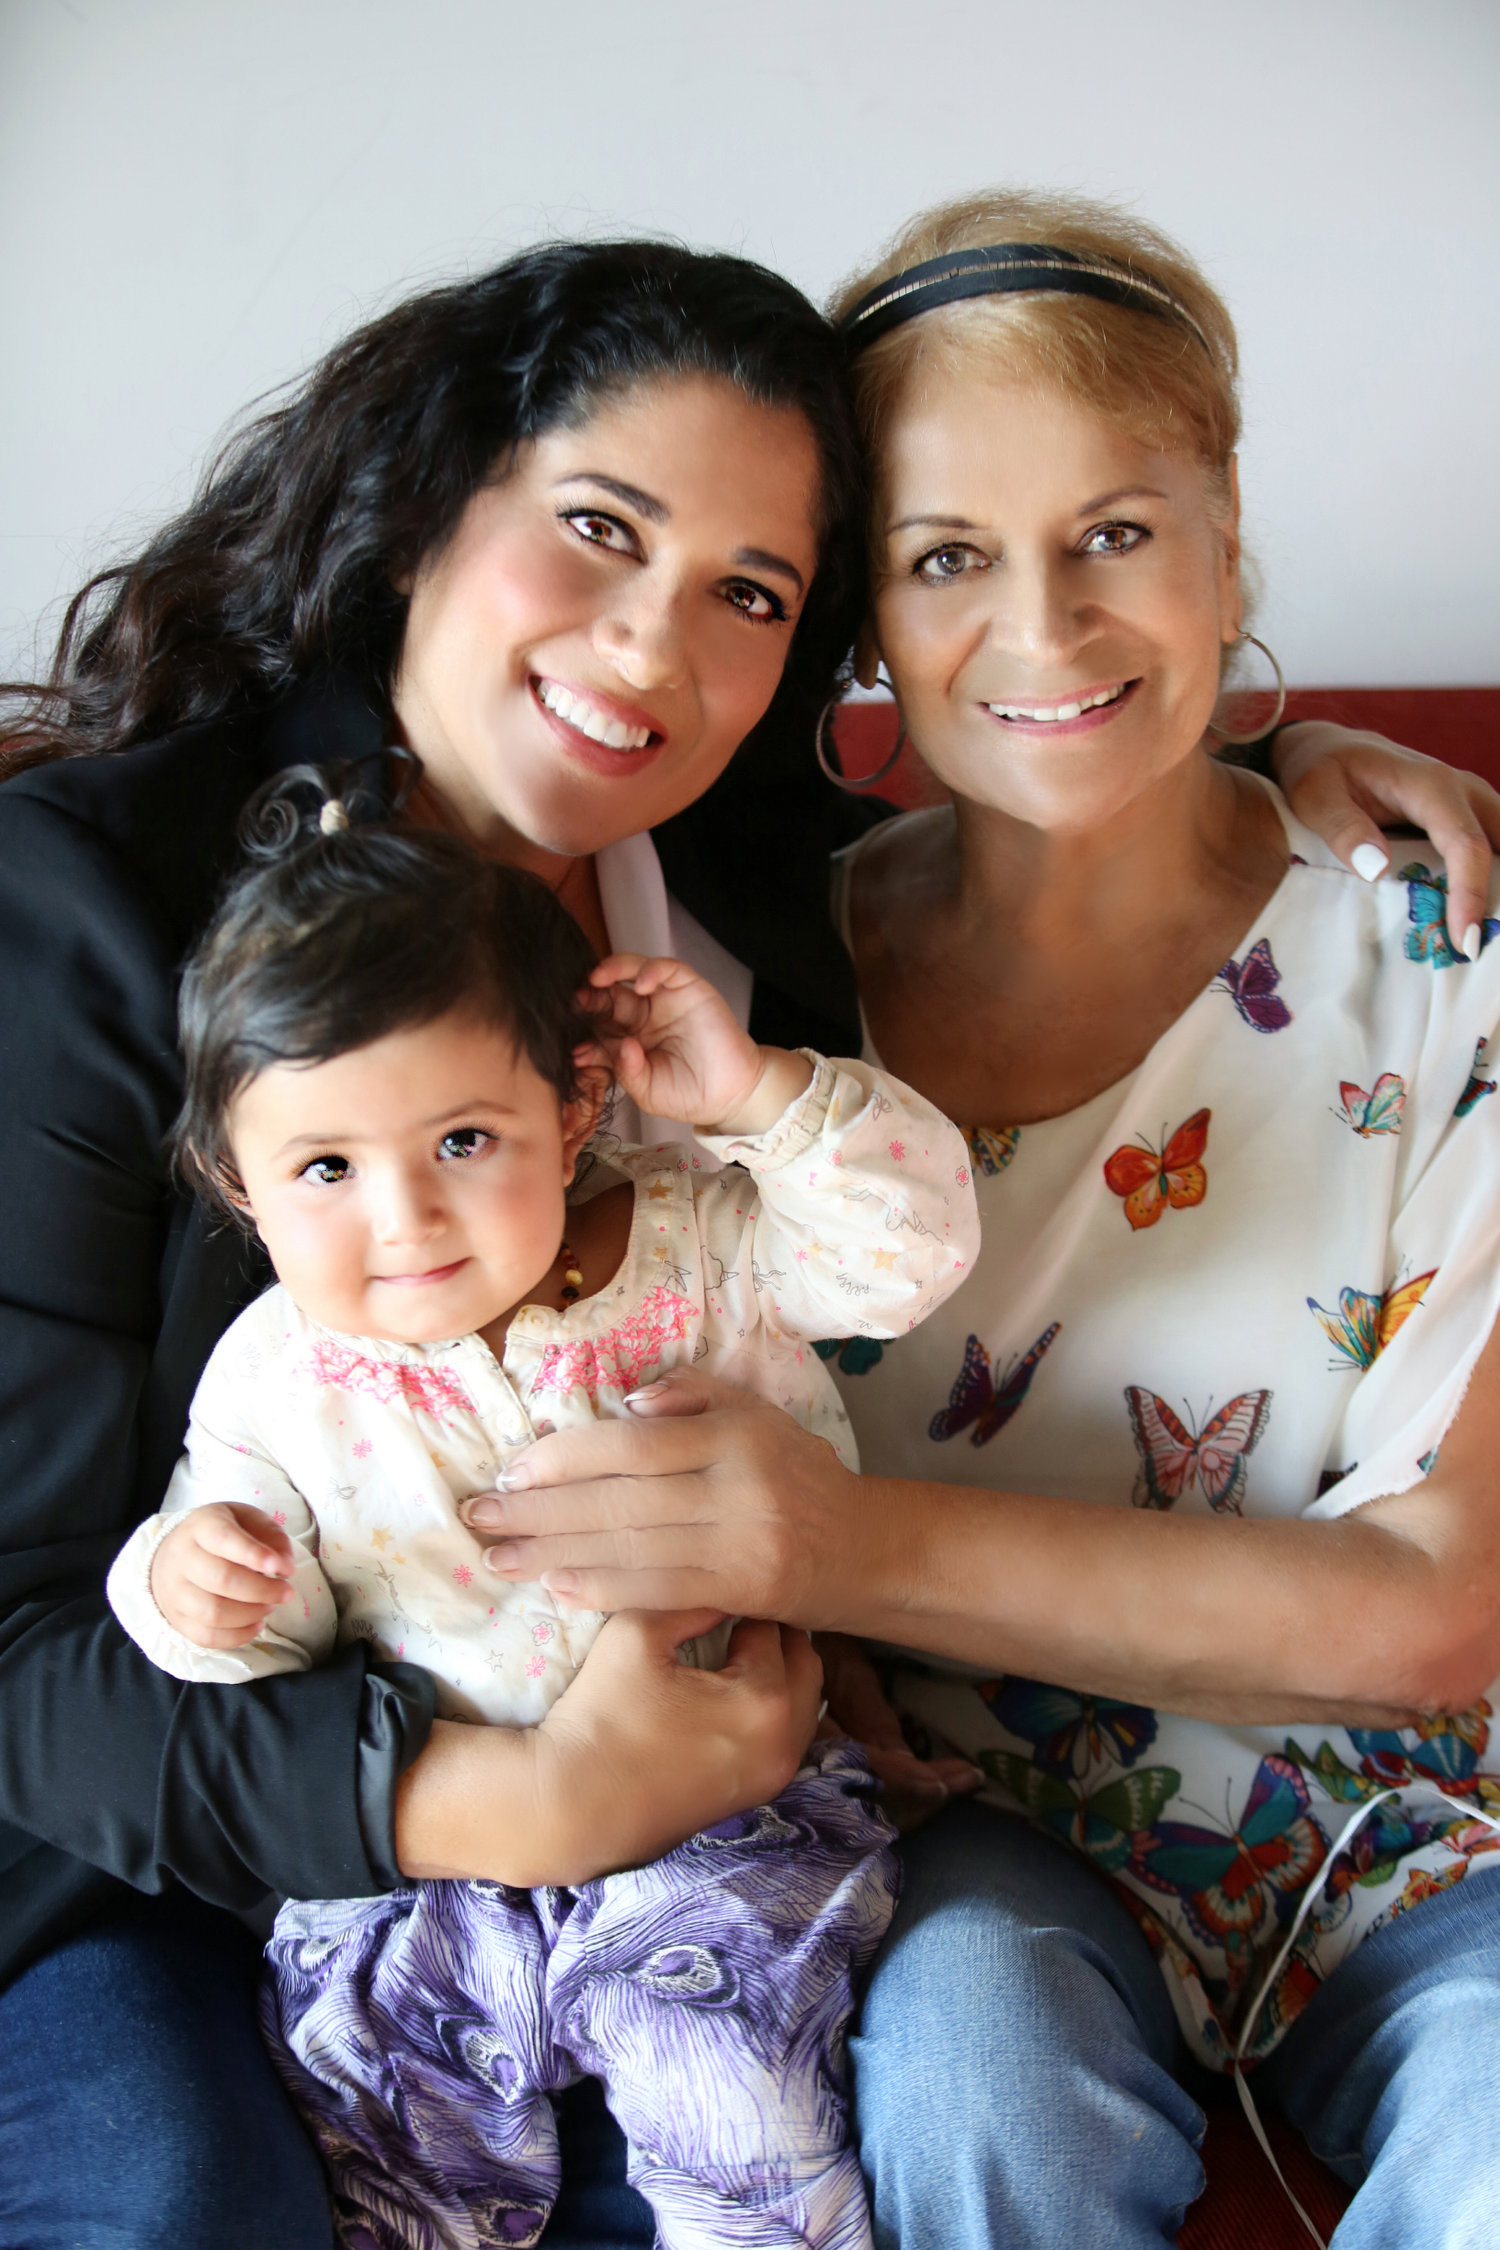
pixel 854 1212
pixel 1250 1279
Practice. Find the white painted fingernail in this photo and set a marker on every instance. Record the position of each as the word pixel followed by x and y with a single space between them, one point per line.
pixel 1370 861
pixel 1473 940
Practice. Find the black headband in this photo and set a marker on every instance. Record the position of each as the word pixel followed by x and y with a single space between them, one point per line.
pixel 998 270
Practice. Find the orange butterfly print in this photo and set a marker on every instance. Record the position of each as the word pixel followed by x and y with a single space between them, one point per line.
pixel 1149 1179
pixel 1364 1324
pixel 1173 1459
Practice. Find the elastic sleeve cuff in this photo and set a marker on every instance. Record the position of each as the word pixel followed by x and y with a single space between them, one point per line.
pixel 795 1131
pixel 394 1726
pixel 128 1587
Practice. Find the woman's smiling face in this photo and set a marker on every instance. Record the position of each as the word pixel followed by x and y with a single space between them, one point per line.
pixel 611 618
pixel 1052 599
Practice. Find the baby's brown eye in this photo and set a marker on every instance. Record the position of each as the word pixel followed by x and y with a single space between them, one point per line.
pixel 327 1171
pixel 464 1140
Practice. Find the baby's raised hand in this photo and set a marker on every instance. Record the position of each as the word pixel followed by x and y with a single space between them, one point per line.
pixel 217 1577
pixel 678 1050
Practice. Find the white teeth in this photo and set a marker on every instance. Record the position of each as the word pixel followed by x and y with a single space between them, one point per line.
pixel 1046 716
pixel 597 725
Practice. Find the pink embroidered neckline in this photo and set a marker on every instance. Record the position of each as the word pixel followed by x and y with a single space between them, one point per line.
pixel 429 1390
pixel 617 1360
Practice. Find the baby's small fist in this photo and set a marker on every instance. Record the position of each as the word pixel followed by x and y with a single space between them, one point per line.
pixel 220 1573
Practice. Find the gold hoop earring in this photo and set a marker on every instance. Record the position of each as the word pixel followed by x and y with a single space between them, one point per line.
pixel 840 780
pixel 1267 725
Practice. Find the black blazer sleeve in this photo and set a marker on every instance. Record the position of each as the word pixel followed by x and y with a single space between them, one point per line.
pixel 112 1291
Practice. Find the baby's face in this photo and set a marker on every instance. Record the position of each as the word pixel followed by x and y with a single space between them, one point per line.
pixel 412 1189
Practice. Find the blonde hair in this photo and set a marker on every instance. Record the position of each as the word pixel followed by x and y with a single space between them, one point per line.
pixel 1171 389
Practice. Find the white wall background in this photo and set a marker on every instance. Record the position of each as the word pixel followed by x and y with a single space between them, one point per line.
pixel 197 196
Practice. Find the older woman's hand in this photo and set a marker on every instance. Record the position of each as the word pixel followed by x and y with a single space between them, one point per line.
pixel 707 1495
pixel 1347 785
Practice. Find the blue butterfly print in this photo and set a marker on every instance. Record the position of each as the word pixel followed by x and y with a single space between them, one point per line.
pixel 1251 985
pixel 1445 1751
pixel 1474 1093
pixel 1229 1885
pixel 856 1355
pixel 977 1398
pixel 1070 1733
pixel 1427 910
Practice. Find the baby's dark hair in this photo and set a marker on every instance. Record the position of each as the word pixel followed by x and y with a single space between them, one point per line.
pixel 337 935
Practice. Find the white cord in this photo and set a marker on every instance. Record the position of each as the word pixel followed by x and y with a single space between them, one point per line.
pixel 1310 1899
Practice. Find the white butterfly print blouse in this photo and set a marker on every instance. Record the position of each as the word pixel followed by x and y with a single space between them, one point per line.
pixel 1252 1278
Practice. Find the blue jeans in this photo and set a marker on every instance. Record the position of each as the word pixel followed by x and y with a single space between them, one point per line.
pixel 1016 2069
pixel 139 2110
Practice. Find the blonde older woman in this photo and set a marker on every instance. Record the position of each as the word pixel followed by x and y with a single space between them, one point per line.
pixel 1240 1174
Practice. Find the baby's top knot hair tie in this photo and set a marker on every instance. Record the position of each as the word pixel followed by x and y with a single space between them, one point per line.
pixel 333 816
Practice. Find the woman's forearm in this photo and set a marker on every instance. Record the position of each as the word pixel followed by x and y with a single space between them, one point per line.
pixel 1391 1610
pixel 1367 1620
pixel 467 1807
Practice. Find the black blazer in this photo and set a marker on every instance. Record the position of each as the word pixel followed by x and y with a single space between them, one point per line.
pixel 114 1288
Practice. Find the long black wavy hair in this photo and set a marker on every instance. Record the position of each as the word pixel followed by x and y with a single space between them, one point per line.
pixel 285 564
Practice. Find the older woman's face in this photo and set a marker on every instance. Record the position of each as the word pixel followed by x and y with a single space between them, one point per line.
pixel 1052 599
pixel 611 619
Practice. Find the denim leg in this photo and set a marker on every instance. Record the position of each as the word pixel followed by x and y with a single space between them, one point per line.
pixel 138 2108
pixel 597 2208
pixel 1393 2074
pixel 1013 2063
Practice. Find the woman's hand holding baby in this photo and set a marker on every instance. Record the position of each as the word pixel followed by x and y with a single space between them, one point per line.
pixel 217 1577
pixel 678 1050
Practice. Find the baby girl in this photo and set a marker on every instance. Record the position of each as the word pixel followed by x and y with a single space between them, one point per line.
pixel 397 1055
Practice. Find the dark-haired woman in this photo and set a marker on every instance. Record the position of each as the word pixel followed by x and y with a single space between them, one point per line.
pixel 573 533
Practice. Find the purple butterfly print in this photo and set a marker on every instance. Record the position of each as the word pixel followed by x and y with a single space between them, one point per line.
pixel 977 1398
pixel 1251 985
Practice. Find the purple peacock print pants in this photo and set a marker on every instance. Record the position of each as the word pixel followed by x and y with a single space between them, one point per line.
pixel 422 2033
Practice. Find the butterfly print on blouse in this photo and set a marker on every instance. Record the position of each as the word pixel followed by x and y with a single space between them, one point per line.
pixel 1477 1088
pixel 1174 1459
pixel 856 1355
pixel 992 1146
pixel 1382 1110
pixel 1364 1323
pixel 1105 1822
pixel 977 1398
pixel 1227 1884
pixel 1251 984
pixel 1070 1733
pixel 1149 1179
pixel 1427 911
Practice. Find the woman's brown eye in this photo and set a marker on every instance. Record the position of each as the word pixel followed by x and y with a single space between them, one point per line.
pixel 944 562
pixel 1115 538
pixel 754 602
pixel 599 530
